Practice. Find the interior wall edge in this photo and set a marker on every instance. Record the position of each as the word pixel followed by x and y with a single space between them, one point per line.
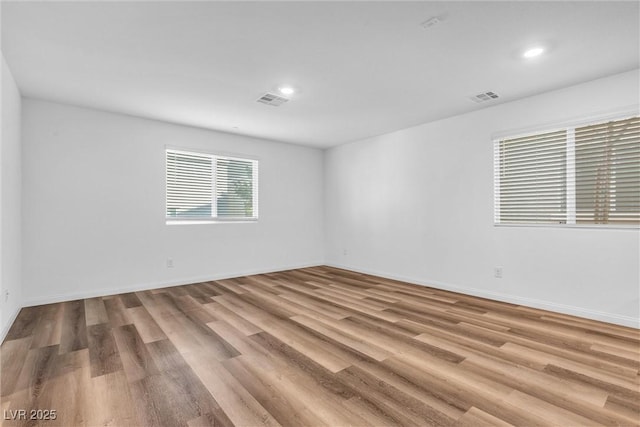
pixel 71 296
pixel 587 313
pixel 11 319
pixel 11 188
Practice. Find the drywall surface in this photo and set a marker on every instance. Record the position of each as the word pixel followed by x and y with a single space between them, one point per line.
pixel 94 206
pixel 417 204
pixel 10 202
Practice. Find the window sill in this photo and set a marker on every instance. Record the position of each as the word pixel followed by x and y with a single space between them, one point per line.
pixel 210 221
pixel 573 226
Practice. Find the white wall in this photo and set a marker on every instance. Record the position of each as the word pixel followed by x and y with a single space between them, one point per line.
pixel 417 204
pixel 94 206
pixel 10 202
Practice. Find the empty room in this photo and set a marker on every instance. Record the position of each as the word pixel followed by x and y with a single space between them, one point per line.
pixel 305 214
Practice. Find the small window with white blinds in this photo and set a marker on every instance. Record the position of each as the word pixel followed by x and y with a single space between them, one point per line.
pixel 584 175
pixel 209 187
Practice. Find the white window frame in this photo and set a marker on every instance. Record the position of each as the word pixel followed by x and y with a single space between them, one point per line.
pixel 569 126
pixel 214 219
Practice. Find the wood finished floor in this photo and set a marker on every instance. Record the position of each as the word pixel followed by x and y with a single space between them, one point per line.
pixel 313 347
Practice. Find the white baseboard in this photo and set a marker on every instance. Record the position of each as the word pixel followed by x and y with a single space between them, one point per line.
pixel 50 299
pixel 5 328
pixel 617 319
pixel 514 299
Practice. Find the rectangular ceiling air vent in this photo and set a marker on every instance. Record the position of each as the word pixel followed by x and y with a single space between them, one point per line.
pixel 434 20
pixel 483 97
pixel 271 99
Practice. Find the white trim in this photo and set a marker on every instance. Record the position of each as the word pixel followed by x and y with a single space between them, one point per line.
pixel 529 302
pixel 602 316
pixel 157 285
pixel 497 168
pixel 191 221
pixel 206 151
pixel 573 226
pixel 5 328
pixel 214 188
pixel 256 185
pixel 571 176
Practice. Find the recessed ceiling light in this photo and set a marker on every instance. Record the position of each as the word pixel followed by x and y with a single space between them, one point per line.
pixel 533 52
pixel 286 90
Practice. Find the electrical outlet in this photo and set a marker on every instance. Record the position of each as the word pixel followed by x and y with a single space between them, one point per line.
pixel 345 252
pixel 6 296
pixel 497 272
pixel 169 262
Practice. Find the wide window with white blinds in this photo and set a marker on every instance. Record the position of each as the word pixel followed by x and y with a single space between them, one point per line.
pixel 209 187
pixel 580 175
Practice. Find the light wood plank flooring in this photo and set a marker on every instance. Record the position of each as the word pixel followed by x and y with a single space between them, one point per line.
pixel 314 347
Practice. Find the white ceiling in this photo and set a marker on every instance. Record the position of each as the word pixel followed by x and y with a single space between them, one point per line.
pixel 363 68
